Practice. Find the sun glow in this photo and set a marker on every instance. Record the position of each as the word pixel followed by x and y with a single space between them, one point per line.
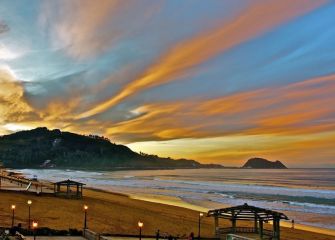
pixel 13 127
pixel 6 53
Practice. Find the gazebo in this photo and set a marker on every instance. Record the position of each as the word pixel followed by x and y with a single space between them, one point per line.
pixel 73 189
pixel 248 213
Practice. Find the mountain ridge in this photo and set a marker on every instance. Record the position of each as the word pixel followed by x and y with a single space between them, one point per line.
pixel 44 148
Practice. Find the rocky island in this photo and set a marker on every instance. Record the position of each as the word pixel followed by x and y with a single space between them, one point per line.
pixel 262 163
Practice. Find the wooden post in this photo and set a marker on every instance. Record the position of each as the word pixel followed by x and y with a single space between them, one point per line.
pixel 274 225
pixel 233 220
pixel 256 224
pixel 278 229
pixel 216 226
pixel 261 228
pixel 234 224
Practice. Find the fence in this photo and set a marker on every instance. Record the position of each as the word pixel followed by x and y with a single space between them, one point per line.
pixel 236 237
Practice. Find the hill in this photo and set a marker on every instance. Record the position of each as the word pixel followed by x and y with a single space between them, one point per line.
pixel 263 164
pixel 43 148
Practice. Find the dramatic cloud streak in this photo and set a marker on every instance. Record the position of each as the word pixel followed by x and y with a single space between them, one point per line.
pixel 217 81
pixel 289 122
pixel 179 60
pixel 300 108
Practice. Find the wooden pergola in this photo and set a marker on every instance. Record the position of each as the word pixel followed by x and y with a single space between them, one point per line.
pixel 248 213
pixel 73 189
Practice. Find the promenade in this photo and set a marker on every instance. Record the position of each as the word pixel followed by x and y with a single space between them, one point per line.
pixel 12 183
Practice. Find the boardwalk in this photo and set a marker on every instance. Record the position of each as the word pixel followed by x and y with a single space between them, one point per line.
pixel 16 184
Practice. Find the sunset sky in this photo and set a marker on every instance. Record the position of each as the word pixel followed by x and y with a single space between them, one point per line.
pixel 216 81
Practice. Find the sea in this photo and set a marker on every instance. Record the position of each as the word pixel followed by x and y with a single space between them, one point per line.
pixel 305 195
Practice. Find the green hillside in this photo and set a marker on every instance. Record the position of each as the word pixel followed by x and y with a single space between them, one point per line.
pixel 52 148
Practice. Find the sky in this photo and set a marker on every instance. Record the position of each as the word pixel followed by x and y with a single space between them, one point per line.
pixel 217 81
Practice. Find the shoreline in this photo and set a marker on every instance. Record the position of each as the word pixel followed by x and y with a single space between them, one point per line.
pixel 122 213
pixel 228 181
pixel 178 202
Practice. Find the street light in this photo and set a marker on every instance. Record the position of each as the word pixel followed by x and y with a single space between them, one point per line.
pixel 35 225
pixel 200 216
pixel 140 225
pixel 85 219
pixel 29 202
pixel 13 214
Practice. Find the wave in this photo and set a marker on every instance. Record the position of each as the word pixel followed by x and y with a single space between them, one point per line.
pixel 280 198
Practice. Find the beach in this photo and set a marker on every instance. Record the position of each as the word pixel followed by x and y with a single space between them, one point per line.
pixel 305 195
pixel 116 213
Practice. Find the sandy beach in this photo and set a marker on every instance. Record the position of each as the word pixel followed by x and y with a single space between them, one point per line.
pixel 117 213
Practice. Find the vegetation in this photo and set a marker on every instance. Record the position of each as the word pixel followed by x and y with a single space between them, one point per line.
pixel 52 148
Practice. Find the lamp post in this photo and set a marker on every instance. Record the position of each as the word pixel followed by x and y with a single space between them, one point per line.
pixel 85 218
pixel 29 202
pixel 35 224
pixel 140 225
pixel 13 214
pixel 200 216
pixel 0 176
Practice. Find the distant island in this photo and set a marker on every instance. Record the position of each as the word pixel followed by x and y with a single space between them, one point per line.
pixel 262 163
pixel 44 148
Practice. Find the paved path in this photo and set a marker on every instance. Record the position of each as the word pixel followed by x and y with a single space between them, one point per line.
pixel 14 185
pixel 127 238
pixel 55 238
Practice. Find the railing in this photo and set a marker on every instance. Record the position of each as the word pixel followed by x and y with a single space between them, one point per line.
pixel 90 235
pixel 237 230
pixel 225 231
pixel 236 237
pixel 245 230
pixel 267 232
pixel 24 182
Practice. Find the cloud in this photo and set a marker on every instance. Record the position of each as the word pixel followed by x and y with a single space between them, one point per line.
pixel 180 60
pixel 295 109
pixel 293 123
pixel 3 27
pixel 87 28
pixel 13 105
pixel 235 150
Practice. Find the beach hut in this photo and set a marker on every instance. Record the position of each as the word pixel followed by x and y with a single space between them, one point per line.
pixel 244 212
pixel 69 189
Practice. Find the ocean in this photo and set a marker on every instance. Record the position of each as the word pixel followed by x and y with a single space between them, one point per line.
pixel 305 195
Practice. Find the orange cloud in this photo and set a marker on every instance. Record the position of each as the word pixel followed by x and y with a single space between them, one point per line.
pixel 299 108
pixel 294 151
pixel 13 105
pixel 16 113
pixel 178 61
